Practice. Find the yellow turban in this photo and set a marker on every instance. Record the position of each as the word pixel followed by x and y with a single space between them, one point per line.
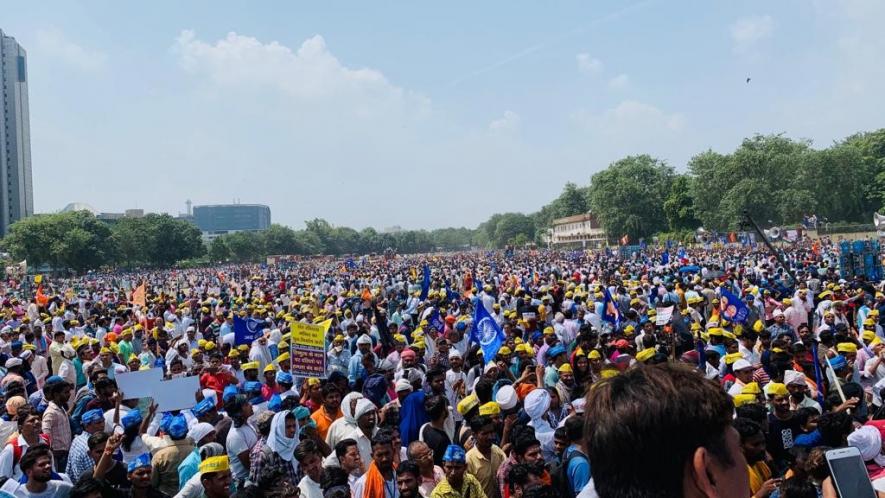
pixel 490 408
pixel 214 464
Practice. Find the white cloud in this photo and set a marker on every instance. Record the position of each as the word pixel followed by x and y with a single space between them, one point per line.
pixel 52 43
pixel 747 32
pixel 509 122
pixel 619 82
pixel 588 65
pixel 630 121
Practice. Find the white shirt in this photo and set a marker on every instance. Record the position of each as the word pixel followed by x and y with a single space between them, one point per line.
pixel 240 439
pixel 54 489
pixel 391 490
pixel 6 457
pixel 310 488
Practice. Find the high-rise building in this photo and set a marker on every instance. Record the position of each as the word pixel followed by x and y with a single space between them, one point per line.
pixel 16 189
pixel 220 219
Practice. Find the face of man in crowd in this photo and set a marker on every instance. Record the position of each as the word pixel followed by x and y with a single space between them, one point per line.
pixel 140 477
pixel 313 466
pixel 407 484
pixel 454 472
pixel 366 422
pixel 382 455
pixel 42 469
pixel 217 483
pixel 352 461
pixel 532 455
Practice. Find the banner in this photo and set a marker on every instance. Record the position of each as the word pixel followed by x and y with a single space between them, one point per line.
pixel 732 308
pixel 487 333
pixel 247 330
pixel 664 315
pixel 308 349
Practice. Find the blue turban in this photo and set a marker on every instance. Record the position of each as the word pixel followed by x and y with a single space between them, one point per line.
pixel 203 407
pixel 91 416
pixel 165 420
pixel 285 378
pixel 555 351
pixel 177 427
pixel 536 335
pixel 301 412
pixel 131 419
pixel 461 326
pixel 143 460
pixel 160 362
pixel 16 344
pixel 838 362
pixel 455 454
pixel 275 403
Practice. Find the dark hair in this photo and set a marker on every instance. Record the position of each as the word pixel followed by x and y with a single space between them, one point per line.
pixel 797 488
pixel 234 408
pixel 483 390
pixel 33 454
pixel 540 491
pixel 803 414
pixel 86 486
pixel 518 475
pixel 96 438
pixel 409 467
pixel 834 427
pixel 480 421
pixel 746 428
pixel 522 443
pixel 654 418
pixel 435 406
pixel 755 412
pixel 333 476
pixel 23 413
pixel 305 449
pixel 330 388
pixel 574 428
pixel 435 372
pixel 382 437
pixel 342 446
pixel 265 423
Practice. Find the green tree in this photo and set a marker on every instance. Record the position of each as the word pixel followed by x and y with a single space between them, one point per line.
pixel 510 226
pixel 73 240
pixel 218 250
pixel 280 240
pixel 679 205
pixel 628 196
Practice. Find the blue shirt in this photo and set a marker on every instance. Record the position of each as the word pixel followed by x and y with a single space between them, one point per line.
pixel 578 470
pixel 355 370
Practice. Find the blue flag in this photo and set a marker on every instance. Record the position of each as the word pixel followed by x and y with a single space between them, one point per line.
pixel 680 252
pixel 450 294
pixel 487 333
pixel 732 308
pixel 818 378
pixel 702 356
pixel 610 311
pixel 247 330
pixel 665 258
pixel 425 284
pixel 436 321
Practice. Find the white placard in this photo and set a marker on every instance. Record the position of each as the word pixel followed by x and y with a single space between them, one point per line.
pixel 140 384
pixel 176 394
pixel 664 315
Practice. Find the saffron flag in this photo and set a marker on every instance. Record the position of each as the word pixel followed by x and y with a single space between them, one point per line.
pixel 138 296
pixel 487 333
pixel 247 330
pixel 732 308
pixel 42 299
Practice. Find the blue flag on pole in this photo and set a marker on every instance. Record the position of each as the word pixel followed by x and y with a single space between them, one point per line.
pixel 451 295
pixel 425 284
pixel 665 258
pixel 436 321
pixel 732 308
pixel 247 330
pixel 487 333
pixel 610 312
pixel 818 378
pixel 702 356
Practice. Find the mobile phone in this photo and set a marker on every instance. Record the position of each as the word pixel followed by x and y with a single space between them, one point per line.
pixel 849 473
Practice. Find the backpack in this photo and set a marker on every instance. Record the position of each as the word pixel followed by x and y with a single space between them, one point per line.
pixel 17 449
pixel 560 475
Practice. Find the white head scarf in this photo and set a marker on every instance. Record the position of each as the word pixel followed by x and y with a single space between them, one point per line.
pixel 868 440
pixel 277 440
pixel 199 431
pixel 349 417
pixel 363 406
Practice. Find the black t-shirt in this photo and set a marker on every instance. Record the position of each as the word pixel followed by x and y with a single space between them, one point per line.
pixel 781 436
pixel 437 440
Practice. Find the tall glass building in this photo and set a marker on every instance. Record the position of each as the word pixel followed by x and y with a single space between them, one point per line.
pixel 225 218
pixel 17 192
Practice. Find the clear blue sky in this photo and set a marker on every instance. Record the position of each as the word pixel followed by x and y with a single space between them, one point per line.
pixel 420 114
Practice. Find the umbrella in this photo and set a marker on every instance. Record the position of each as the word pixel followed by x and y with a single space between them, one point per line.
pixel 690 269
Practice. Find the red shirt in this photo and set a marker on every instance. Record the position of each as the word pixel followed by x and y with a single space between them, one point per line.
pixel 216 381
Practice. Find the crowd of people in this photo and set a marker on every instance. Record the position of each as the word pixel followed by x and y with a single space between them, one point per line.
pixel 616 375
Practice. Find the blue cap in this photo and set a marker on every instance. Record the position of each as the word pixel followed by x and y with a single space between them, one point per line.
pixel 16 344
pixel 165 420
pixel 53 379
pixel 251 386
pixel 143 460
pixel 536 335
pixel 285 378
pixel 229 392
pixel 455 453
pixel 131 419
pixel 838 362
pixel 160 362
pixel 301 412
pixel 555 351
pixel 91 416
pixel 203 407
pixel 275 403
pixel 177 427
pixel 461 326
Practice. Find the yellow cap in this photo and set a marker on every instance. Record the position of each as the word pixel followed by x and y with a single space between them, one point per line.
pixel 869 322
pixel 758 326
pixel 210 346
pixel 214 464
pixel 751 388
pixel 270 368
pixel 243 348
pixel 233 354
pixel 645 355
pixel 566 368
pixel 468 403
pixel 846 347
pixel 732 357
pixel 594 355
pixel 490 408
pixel 549 331
pixel 283 357
pixel 252 365
pixel 523 348
pixel 868 335
pixel 504 351
pixel 777 389
pixel 715 332
pixel 104 350
pixel 743 399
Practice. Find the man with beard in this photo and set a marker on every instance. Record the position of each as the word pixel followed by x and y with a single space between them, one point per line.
pixel 379 481
pixel 485 457
pixel 329 412
pixel 457 483
pixel 782 426
pixel 798 388
pixel 753 447
pixel 36 464
pixel 566 383
pixel 407 479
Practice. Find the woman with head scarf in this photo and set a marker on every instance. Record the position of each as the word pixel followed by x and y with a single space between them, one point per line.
pixel 340 428
pixel 278 449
